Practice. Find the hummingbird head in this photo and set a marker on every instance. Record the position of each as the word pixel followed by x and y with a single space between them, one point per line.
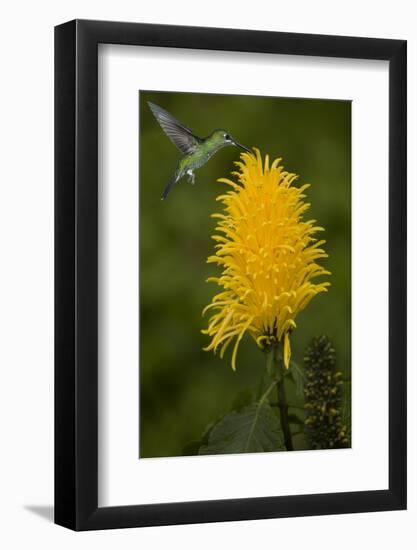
pixel 223 138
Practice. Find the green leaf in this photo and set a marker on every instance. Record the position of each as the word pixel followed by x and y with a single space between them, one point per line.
pixel 255 429
pixel 298 376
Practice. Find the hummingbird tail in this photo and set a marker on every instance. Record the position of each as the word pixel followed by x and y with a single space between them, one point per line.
pixel 169 186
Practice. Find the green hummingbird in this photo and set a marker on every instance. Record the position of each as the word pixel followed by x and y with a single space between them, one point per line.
pixel 197 151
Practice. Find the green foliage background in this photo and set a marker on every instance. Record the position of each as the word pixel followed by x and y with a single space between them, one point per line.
pixel 183 388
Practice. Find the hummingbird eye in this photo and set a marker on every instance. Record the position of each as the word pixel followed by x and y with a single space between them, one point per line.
pixel 227 137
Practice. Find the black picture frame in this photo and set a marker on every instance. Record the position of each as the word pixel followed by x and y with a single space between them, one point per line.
pixel 76 272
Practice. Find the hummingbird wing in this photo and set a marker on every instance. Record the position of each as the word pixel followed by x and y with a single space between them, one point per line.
pixel 181 136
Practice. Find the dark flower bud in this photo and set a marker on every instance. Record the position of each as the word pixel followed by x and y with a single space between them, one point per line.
pixel 324 427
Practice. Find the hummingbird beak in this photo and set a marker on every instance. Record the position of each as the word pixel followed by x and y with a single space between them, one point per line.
pixel 242 147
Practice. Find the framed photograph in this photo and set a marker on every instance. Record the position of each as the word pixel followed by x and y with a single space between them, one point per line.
pixel 230 252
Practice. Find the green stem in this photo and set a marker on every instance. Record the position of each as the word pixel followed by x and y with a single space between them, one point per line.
pixel 282 398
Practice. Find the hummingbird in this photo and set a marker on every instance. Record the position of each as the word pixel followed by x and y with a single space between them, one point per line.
pixel 196 151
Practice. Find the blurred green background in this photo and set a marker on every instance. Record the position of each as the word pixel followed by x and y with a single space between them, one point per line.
pixel 182 387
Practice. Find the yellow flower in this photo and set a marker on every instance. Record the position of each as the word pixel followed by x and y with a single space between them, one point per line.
pixel 268 256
